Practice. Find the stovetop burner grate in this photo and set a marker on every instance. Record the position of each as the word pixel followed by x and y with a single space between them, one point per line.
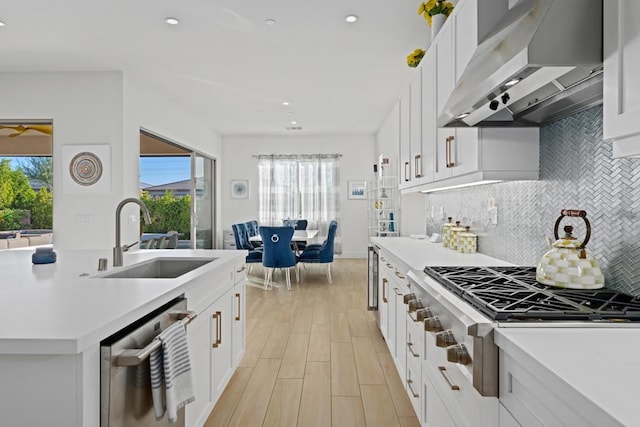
pixel 513 294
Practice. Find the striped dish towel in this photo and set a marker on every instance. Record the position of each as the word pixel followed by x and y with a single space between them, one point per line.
pixel 171 383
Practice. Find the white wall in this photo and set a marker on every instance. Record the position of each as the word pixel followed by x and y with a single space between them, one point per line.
pixel 356 163
pixel 146 108
pixel 94 108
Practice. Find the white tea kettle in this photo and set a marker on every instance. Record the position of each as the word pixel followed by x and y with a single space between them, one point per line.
pixel 568 264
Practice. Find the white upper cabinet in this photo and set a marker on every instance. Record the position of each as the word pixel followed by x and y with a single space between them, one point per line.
pixel 445 64
pixel 471 155
pixel 622 76
pixel 428 99
pixel 471 21
pixel 416 126
pixel 405 137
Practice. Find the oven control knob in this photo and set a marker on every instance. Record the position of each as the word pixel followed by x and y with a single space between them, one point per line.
pixel 409 297
pixel 415 305
pixel 432 324
pixel 445 339
pixel 423 313
pixel 458 354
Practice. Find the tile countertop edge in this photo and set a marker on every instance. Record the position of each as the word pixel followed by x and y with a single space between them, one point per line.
pixel 599 405
pixel 67 345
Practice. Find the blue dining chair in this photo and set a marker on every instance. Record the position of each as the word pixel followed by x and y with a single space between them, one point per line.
pixel 277 253
pixel 297 224
pixel 321 254
pixel 242 242
pixel 252 230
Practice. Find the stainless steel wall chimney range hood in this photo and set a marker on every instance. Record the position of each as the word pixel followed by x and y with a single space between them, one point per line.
pixel 542 62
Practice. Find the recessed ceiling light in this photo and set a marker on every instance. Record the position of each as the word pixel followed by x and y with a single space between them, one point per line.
pixel 512 82
pixel 269 21
pixel 285 103
pixel 2 24
pixel 171 21
pixel 293 122
pixel 351 18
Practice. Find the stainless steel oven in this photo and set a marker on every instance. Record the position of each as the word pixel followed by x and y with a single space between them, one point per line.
pixel 125 383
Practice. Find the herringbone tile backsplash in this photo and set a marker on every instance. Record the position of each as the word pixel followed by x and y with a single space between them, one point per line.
pixel 577 171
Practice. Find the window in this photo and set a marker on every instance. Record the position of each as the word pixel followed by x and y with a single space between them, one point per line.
pixel 26 184
pixel 300 186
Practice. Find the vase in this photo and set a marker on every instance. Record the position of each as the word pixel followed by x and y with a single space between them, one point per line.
pixel 436 24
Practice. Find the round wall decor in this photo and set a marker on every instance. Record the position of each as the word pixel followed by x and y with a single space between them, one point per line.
pixel 85 168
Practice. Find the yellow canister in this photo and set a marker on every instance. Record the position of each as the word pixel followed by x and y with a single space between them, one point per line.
pixel 467 241
pixel 446 229
pixel 454 232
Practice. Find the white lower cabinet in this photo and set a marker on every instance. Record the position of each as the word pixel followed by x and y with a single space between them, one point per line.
pixel 532 402
pixel 415 359
pixel 436 413
pixel 400 289
pixel 506 419
pixel 216 338
pixel 199 332
pixel 238 338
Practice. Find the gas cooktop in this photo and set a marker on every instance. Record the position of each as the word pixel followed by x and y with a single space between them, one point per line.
pixel 513 294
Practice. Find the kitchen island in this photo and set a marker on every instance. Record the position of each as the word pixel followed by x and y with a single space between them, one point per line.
pixel 550 373
pixel 53 317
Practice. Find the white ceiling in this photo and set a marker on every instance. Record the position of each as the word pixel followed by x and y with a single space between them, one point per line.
pixel 225 63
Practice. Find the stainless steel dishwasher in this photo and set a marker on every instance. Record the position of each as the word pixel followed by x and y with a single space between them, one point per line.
pixel 125 384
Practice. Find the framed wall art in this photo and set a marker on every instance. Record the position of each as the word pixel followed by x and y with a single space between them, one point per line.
pixel 357 190
pixel 87 168
pixel 239 188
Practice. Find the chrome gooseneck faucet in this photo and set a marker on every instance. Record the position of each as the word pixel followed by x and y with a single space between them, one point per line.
pixel 118 249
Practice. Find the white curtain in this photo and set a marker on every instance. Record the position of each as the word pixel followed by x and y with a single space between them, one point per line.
pixel 300 187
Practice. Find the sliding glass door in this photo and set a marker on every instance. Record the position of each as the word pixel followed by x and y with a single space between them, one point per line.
pixel 202 201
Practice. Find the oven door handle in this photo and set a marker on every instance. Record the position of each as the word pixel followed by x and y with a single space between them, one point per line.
pixel 135 356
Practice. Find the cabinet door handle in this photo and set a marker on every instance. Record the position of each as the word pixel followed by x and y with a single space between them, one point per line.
pixel 443 371
pixel 238 316
pixel 450 162
pixel 410 345
pixel 417 166
pixel 384 290
pixel 415 395
pixel 397 291
pixel 218 340
pixel 241 269
pixel 406 164
pixel 399 275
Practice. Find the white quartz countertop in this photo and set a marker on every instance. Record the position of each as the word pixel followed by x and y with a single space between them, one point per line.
pixel 599 365
pixel 58 309
pixel 419 253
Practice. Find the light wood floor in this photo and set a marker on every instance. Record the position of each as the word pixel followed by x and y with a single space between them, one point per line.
pixel 314 358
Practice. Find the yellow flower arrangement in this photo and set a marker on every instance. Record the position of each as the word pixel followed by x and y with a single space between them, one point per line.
pixel 415 57
pixel 435 7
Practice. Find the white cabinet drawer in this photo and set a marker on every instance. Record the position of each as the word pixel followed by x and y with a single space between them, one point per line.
pixel 453 383
pixel 413 384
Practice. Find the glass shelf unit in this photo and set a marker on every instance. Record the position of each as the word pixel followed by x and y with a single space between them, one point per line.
pixel 383 207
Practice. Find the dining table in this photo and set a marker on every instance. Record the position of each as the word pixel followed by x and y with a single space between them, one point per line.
pixel 298 236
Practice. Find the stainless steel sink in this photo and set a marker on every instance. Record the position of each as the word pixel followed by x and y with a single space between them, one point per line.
pixel 158 268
